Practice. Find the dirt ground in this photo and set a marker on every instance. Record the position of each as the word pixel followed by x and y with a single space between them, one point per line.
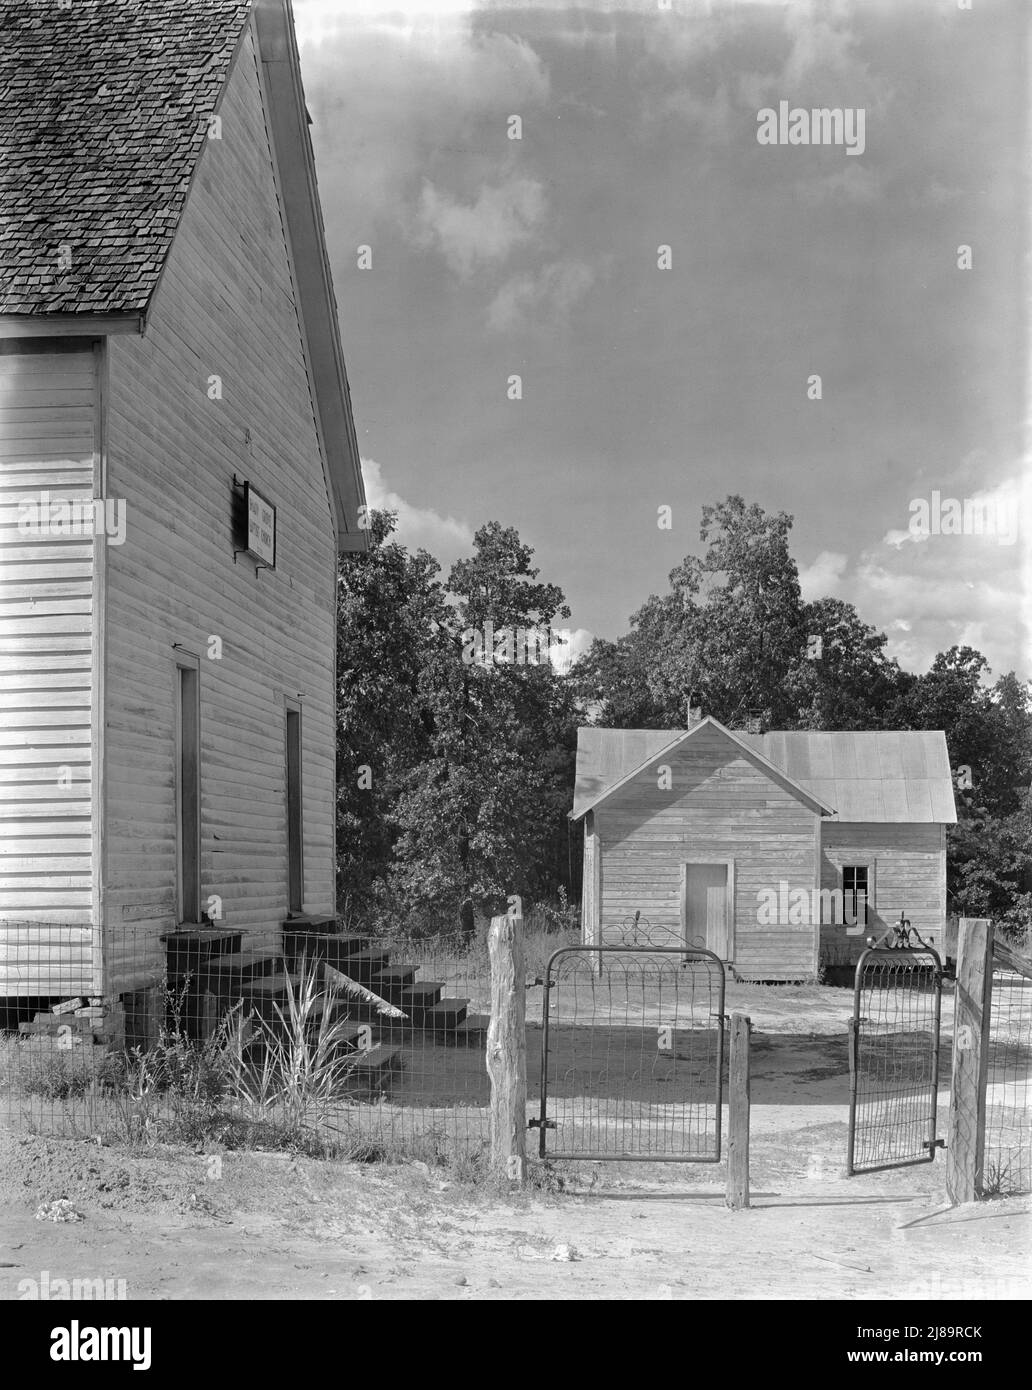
pixel 272 1228
pixel 178 1224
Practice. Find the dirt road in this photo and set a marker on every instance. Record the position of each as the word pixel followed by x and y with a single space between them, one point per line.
pixel 178 1225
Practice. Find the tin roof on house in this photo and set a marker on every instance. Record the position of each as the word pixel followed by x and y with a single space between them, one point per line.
pixel 104 109
pixel 873 776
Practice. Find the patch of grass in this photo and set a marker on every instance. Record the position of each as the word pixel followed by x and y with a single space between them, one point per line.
pixel 997 1181
pixel 39 1068
pixel 57 1078
pixel 551 1176
pixel 540 946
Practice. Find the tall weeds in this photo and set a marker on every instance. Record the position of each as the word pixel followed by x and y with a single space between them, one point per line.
pixel 299 1066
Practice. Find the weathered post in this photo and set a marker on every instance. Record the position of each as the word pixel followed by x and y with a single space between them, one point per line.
pixel 507 1046
pixel 738 1114
pixel 965 1141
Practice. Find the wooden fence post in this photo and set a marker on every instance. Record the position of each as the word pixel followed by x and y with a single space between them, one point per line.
pixel 507 1048
pixel 965 1141
pixel 738 1114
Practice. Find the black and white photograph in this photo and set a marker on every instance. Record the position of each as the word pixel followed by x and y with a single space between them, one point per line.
pixel 515 670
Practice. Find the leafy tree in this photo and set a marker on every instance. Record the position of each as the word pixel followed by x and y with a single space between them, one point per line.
pixel 991 867
pixel 611 681
pixel 951 696
pixel 498 584
pixel 484 814
pixel 726 635
pixel 453 776
pixel 842 679
pixel 388 603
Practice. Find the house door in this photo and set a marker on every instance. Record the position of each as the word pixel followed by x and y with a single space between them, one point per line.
pixel 188 792
pixel 295 825
pixel 706 908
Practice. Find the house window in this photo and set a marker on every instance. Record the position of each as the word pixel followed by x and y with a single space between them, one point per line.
pixel 854 894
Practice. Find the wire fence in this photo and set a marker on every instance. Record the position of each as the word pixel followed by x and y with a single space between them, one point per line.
pixel 335 1040
pixel 632 1047
pixel 1007 1159
pixel 894 1062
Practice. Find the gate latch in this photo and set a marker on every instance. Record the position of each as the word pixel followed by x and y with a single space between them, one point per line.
pixel 541 1124
pixel 934 1144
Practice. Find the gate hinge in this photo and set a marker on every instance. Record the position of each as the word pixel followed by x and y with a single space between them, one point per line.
pixel 934 1144
pixel 530 984
pixel 541 1124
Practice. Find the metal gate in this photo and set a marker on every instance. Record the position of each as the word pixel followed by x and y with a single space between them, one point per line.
pixel 894 1054
pixel 632 1054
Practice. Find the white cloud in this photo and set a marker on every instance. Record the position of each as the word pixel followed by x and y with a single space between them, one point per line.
pixel 709 115
pixel 946 591
pixel 853 183
pixel 1000 515
pixel 445 537
pixel 548 295
pixel 565 655
pixel 393 94
pixel 823 578
pixel 485 231
pixel 822 50
pixel 316 20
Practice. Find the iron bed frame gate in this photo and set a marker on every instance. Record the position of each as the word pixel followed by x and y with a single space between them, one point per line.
pixel 894 1054
pixel 689 1110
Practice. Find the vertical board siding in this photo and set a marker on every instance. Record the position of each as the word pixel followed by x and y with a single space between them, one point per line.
pixel 47 446
pixel 225 306
pixel 719 805
pixel 909 874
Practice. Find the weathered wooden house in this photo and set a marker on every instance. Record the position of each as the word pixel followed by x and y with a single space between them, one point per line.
pixel 179 471
pixel 775 850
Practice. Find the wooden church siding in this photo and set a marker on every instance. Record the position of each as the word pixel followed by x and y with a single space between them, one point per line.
pixel 225 306
pixel 908 874
pixel 720 807
pixel 48 443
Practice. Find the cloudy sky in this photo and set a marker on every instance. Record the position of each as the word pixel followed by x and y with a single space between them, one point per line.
pixel 645 387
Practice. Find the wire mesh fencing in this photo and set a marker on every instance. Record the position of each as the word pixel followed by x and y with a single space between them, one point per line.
pixel 307 1034
pixel 631 1054
pixel 1007 1155
pixel 894 1060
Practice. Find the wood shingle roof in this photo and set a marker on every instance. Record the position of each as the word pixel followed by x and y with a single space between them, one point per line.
pixel 104 110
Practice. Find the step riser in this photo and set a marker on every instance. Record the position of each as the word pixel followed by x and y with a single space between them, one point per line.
pixel 227 980
pixel 320 944
pixel 317 925
pixel 361 970
pixel 189 952
pixel 393 989
pixel 356 967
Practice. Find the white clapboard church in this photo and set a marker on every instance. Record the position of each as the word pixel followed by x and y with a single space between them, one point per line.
pixel 179 472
